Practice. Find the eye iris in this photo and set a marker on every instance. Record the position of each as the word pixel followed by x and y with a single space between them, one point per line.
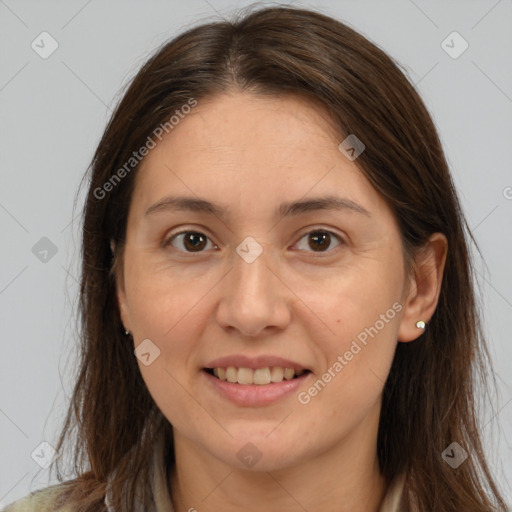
pixel 198 241
pixel 322 237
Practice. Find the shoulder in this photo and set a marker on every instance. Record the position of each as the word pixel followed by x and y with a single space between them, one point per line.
pixel 42 500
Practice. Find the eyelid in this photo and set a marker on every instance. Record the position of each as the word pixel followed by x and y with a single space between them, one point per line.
pixel 341 241
pixel 167 241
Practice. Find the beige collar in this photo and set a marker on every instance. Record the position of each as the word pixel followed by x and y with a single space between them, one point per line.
pixel 393 499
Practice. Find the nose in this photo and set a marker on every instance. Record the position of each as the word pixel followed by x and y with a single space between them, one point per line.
pixel 254 298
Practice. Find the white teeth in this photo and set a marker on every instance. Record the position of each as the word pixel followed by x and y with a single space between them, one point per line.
pixel 289 373
pixel 231 374
pixel 276 374
pixel 260 376
pixel 245 376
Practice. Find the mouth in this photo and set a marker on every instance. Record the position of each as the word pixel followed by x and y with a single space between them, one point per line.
pixel 255 376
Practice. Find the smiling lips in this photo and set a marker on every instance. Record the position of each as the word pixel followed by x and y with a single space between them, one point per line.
pixel 255 381
pixel 260 370
pixel 259 376
pixel 248 393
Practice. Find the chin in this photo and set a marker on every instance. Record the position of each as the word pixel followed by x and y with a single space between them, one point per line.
pixel 259 453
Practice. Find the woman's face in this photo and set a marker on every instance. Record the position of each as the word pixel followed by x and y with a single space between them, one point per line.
pixel 260 284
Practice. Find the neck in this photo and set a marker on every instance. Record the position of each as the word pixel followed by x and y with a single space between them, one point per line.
pixel 344 478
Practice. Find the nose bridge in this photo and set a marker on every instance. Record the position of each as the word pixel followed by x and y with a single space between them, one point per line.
pixel 253 298
pixel 251 272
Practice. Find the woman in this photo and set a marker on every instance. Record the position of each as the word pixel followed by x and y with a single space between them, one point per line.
pixel 276 295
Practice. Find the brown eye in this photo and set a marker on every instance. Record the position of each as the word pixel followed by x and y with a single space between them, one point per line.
pixel 320 240
pixel 192 241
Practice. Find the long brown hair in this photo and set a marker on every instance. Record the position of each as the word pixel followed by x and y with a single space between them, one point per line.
pixel 429 396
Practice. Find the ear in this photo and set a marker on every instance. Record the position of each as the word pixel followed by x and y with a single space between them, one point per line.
pixel 424 287
pixel 120 290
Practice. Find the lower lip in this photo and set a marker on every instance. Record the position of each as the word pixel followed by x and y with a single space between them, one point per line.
pixel 254 395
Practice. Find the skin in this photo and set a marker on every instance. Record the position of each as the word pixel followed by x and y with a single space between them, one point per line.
pixel 250 154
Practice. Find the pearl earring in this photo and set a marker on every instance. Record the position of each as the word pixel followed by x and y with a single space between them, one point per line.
pixel 420 324
pixel 127 332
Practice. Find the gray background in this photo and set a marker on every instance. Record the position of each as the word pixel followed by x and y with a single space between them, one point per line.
pixel 54 110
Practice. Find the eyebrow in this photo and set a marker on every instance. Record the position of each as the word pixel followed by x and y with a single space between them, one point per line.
pixel 195 204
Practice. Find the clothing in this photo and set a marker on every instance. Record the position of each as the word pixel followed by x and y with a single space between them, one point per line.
pixel 41 500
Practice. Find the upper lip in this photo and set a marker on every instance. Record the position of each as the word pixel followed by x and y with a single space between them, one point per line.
pixel 243 361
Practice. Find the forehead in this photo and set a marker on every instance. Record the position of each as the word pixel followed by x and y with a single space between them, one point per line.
pixel 241 147
pixel 243 122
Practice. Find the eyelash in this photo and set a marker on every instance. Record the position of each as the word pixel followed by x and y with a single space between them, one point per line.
pixel 169 240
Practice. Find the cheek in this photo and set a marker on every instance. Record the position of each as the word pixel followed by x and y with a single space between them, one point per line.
pixel 170 392
pixel 363 313
pixel 355 299
pixel 168 310
pixel 165 309
pixel 161 300
pixel 349 387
